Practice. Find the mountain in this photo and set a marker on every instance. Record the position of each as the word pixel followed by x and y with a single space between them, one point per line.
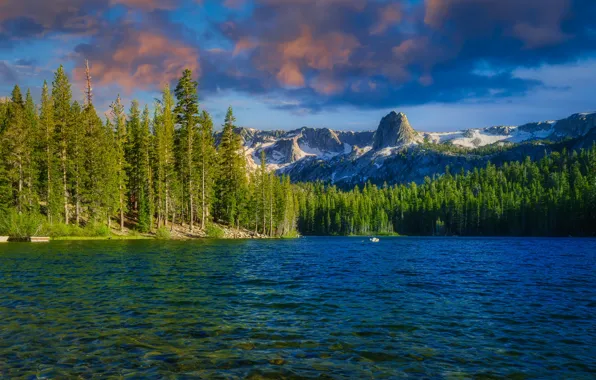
pixel 394 130
pixel 396 153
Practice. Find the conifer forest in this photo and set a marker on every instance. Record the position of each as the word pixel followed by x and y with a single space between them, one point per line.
pixel 148 167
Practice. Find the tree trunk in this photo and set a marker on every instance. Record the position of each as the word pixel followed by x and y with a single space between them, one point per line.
pixel 78 204
pixel 190 194
pixel 20 197
pixel 121 208
pixel 49 175
pixel 191 211
pixel 264 204
pixel 271 206
pixel 166 205
pixel 203 211
pixel 65 185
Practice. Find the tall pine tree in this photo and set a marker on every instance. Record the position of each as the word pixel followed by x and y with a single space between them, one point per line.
pixel 187 113
pixel 62 96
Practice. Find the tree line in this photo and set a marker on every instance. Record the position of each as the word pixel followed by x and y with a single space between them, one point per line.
pixel 149 169
pixel 555 196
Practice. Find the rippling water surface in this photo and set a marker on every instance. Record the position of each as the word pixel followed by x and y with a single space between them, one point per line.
pixel 306 308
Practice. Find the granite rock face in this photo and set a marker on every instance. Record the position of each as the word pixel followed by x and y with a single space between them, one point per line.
pixel 394 130
pixel 396 153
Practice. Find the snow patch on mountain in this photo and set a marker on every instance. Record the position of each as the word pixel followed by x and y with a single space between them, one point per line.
pixel 324 150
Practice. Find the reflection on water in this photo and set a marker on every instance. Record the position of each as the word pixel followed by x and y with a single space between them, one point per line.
pixel 306 308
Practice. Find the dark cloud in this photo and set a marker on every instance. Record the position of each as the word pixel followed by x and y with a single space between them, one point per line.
pixel 395 53
pixel 21 27
pixel 319 53
pixel 32 18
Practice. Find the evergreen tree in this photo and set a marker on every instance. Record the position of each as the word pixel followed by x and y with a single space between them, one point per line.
pixel 134 155
pixel 120 143
pixel 62 96
pixel 31 131
pixel 77 157
pixel 15 142
pixel 232 182
pixel 187 114
pixel 164 140
pixel 207 166
pixel 146 205
pixel 48 167
pixel 97 154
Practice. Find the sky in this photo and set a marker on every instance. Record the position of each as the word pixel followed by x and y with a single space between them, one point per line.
pixel 341 64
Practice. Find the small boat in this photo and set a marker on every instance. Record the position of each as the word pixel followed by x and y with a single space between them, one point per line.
pixel 374 240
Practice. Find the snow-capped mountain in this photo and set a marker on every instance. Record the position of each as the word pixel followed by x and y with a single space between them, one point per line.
pixel 396 152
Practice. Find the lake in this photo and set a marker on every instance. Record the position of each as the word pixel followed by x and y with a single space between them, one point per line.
pixel 306 308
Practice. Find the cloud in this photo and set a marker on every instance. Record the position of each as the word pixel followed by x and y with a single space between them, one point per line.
pixel 32 18
pixel 137 59
pixel 391 53
pixel 289 75
pixel 316 53
pixel 388 16
pixel 147 5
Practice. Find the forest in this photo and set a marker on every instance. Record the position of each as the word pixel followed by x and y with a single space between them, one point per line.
pixel 151 167
pixel 555 196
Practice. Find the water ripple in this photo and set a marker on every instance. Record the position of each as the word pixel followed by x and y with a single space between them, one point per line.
pixel 307 308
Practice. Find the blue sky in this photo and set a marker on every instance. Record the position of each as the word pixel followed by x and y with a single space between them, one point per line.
pixel 343 64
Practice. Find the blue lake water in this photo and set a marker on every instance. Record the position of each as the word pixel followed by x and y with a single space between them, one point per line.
pixel 452 308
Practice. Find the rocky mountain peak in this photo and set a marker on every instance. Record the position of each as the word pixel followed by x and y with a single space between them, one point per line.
pixel 394 130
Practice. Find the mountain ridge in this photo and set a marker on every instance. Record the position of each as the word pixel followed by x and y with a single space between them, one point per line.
pixel 395 152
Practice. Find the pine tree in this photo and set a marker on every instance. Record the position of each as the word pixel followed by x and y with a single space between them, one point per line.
pixel 48 166
pixel 15 142
pixel 62 96
pixel 207 166
pixel 187 113
pixel 109 172
pixel 164 136
pixel 263 184
pixel 232 176
pixel 120 143
pixel 5 183
pixel 31 155
pixel 77 155
pixel 146 205
pixel 97 142
pixel 134 155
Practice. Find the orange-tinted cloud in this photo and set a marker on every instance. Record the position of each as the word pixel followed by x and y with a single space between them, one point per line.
pixel 327 86
pixel 436 11
pixel 147 5
pixel 244 44
pixel 324 52
pixel 388 16
pixel 144 60
pixel 290 75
